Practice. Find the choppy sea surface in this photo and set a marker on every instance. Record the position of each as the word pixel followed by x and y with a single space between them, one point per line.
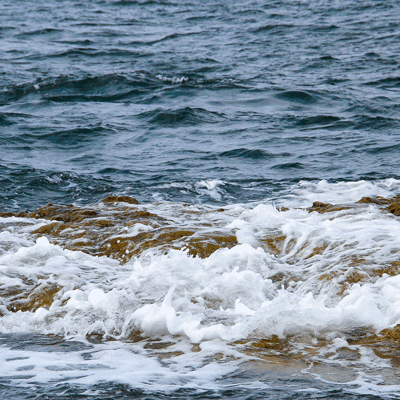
pixel 199 199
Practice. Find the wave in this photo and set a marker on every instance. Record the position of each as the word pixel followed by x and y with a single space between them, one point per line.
pixel 4 121
pixel 182 116
pixel 290 165
pixel 39 32
pixel 375 122
pixel 328 58
pixel 164 38
pixel 88 52
pixel 256 154
pixel 389 82
pixel 297 96
pixel 143 2
pixel 319 120
pixel 377 148
pixel 272 27
pixel 98 88
pixel 76 136
pixel 108 88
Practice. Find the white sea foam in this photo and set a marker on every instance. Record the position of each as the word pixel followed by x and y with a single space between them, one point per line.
pixel 210 184
pixel 306 192
pixel 187 293
pixel 174 79
pixel 230 295
pixel 212 187
pixel 138 369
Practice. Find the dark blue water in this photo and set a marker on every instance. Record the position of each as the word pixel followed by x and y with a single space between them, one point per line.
pixel 100 97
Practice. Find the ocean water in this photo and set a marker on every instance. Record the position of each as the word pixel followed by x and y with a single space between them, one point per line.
pixel 199 199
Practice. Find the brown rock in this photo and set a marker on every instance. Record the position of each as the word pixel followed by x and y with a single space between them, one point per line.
pixel 113 198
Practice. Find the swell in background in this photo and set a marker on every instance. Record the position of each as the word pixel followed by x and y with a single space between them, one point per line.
pixel 157 99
